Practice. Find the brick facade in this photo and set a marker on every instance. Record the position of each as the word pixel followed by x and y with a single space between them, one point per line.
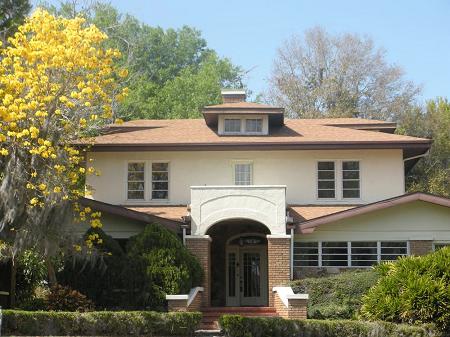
pixel 421 247
pixel 181 305
pixel 297 308
pixel 201 247
pixel 278 254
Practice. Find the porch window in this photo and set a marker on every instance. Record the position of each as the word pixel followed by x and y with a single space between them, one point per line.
pixel 392 250
pixel 306 254
pixel 253 125
pixel 441 244
pixel 358 254
pixel 243 174
pixel 334 254
pixel 136 181
pixel 350 180
pixel 160 181
pixel 326 184
pixel 232 125
pixel 364 254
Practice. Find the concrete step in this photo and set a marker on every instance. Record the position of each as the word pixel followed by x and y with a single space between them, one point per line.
pixel 208 333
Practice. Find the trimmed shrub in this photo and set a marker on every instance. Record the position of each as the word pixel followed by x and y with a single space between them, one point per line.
pixel 104 323
pixel 238 326
pixel 154 264
pixel 337 296
pixel 412 290
pixel 167 264
pixel 62 298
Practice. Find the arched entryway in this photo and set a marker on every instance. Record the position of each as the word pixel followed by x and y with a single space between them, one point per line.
pixel 239 264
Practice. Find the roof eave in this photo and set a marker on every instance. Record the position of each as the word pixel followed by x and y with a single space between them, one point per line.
pixel 310 225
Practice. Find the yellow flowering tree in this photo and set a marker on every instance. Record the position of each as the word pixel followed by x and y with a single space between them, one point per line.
pixel 57 84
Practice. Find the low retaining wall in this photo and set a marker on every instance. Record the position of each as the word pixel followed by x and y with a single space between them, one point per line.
pixel 289 305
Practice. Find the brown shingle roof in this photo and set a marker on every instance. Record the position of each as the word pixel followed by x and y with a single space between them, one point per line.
pixel 174 213
pixel 302 213
pixel 195 132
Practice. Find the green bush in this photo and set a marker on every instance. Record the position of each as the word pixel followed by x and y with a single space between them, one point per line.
pixel 412 290
pixel 337 296
pixel 169 267
pixel 104 323
pixel 154 264
pixel 238 326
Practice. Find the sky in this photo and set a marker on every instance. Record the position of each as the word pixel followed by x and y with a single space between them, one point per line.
pixel 414 33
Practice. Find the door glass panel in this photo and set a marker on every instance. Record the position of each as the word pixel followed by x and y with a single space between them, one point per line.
pixel 252 275
pixel 231 274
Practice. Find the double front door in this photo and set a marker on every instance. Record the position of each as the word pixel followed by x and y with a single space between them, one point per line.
pixel 246 275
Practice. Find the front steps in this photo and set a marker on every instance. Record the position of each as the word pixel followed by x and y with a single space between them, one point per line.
pixel 211 315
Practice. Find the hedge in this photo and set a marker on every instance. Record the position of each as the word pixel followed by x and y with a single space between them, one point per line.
pixel 336 296
pixel 99 323
pixel 238 326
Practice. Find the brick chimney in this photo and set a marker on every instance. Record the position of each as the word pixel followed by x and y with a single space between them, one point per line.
pixel 233 95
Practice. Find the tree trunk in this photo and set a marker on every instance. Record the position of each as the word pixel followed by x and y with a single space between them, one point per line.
pixel 12 286
pixel 51 273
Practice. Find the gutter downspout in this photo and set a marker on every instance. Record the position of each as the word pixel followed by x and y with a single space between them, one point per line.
pixel 418 156
pixel 292 254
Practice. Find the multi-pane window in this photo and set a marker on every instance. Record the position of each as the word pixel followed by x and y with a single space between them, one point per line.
pixel 253 125
pixel 232 125
pixel 136 181
pixel 306 254
pixel 326 186
pixel 392 250
pixel 243 173
pixel 334 254
pixel 160 181
pixel 439 245
pixel 350 179
pixel 347 254
pixel 364 254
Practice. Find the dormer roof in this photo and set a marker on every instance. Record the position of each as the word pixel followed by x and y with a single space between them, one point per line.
pixel 234 104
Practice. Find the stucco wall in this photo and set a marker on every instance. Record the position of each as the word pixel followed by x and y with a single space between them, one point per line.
pixel 381 172
pixel 414 221
pixel 116 226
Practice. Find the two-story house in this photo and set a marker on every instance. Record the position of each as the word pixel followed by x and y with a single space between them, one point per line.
pixel 261 199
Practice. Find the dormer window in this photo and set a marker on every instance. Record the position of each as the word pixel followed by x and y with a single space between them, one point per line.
pixel 253 125
pixel 232 125
pixel 236 117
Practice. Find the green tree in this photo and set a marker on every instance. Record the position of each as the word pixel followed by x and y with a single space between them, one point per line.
pixel 432 173
pixel 172 72
pixel 12 15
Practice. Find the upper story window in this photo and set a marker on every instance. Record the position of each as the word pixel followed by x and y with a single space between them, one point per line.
pixel 253 125
pixel 243 125
pixel 160 181
pixel 232 125
pixel 136 181
pixel 350 179
pixel 326 180
pixel 243 174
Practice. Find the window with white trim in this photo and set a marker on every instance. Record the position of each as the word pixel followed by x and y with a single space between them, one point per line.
pixel 358 254
pixel 243 173
pixel 254 125
pixel 136 181
pixel 350 180
pixel 232 125
pixel 326 180
pixel 160 181
pixel 440 244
